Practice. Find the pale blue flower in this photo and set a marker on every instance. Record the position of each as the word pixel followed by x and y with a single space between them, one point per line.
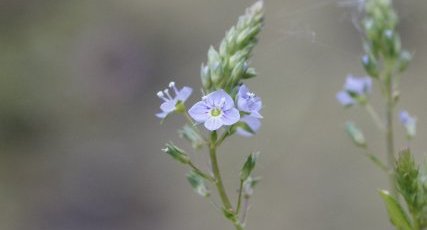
pixel 248 102
pixel 344 98
pixel 169 104
pixel 406 118
pixel 354 88
pixel 409 122
pixel 253 123
pixel 215 110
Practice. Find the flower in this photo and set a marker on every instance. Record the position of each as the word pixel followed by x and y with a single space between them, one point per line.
pixel 253 123
pixel 409 122
pixel 405 118
pixel 248 102
pixel 355 88
pixel 170 103
pixel 215 110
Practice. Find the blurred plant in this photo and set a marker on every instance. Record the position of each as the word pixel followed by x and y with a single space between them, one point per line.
pixel 384 61
pixel 227 108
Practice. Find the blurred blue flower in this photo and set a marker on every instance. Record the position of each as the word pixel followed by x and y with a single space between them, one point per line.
pixel 248 102
pixel 409 122
pixel 406 118
pixel 169 104
pixel 215 110
pixel 355 88
pixel 253 123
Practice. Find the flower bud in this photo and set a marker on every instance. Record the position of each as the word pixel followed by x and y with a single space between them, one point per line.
pixel 176 153
pixel 197 183
pixel 404 59
pixel 249 166
pixel 370 65
pixel 204 75
pixel 355 134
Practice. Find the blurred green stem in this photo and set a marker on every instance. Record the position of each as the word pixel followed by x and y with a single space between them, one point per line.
pixel 388 82
pixel 374 115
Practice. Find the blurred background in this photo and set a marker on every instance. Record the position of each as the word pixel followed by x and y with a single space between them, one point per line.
pixel 80 145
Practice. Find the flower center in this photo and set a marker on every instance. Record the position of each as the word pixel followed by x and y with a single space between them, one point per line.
pixel 215 112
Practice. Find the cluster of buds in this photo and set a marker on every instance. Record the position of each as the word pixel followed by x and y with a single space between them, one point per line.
pixel 382 42
pixel 228 66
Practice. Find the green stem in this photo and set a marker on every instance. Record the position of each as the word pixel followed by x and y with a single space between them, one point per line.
pixel 200 172
pixel 219 184
pixel 374 115
pixel 388 79
pixel 216 172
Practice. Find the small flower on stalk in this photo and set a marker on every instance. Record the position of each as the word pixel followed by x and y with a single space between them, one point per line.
pixel 409 122
pixel 215 110
pixel 170 103
pixel 253 123
pixel 355 90
pixel 248 102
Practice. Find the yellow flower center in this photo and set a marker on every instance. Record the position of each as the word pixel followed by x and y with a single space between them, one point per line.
pixel 215 112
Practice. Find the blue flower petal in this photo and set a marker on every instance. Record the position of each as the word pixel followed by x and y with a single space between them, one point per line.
pixel 219 98
pixel 184 93
pixel 213 123
pixel 252 122
pixel 230 116
pixel 200 111
pixel 344 98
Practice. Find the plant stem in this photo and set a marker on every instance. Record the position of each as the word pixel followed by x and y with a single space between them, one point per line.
pixel 219 184
pixel 200 172
pixel 388 79
pixel 374 115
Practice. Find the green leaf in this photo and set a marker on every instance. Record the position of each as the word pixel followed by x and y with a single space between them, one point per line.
pixel 397 216
pixel 197 183
pixel 249 166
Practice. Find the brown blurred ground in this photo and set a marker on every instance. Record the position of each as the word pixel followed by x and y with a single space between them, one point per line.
pixel 80 146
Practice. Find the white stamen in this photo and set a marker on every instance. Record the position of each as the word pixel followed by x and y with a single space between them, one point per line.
pixel 165 149
pixel 250 94
pixel 160 94
pixel 204 97
pixel 167 93
pixel 172 86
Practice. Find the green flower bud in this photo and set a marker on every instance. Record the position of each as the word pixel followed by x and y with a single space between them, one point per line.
pixel 370 65
pixel 189 133
pixel 176 153
pixel 197 183
pixel 404 60
pixel 249 166
pixel 355 134
pixel 204 75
